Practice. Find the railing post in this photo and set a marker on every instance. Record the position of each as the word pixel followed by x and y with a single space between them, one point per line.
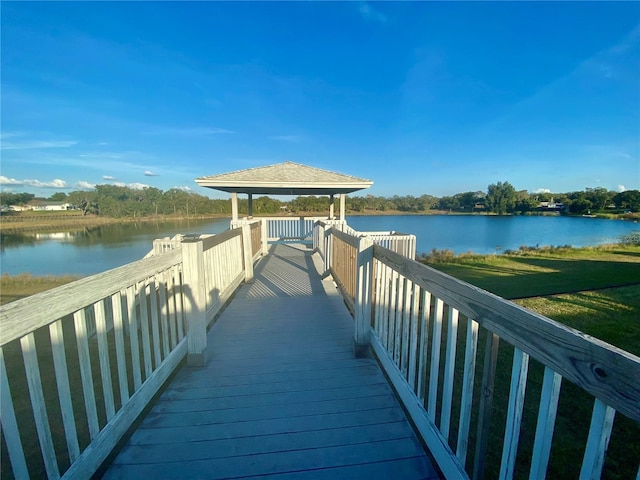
pixel 364 286
pixel 265 242
pixel 328 250
pixel 195 302
pixel 246 252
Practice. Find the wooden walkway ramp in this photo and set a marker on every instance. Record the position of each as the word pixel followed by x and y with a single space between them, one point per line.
pixel 281 396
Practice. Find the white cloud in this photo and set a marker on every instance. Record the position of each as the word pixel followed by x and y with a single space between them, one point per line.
pixel 149 173
pixel 133 186
pixel 622 188
pixel 36 144
pixel 108 177
pixel 84 185
pixel 542 190
pixel 10 181
pixel 184 188
pixel 55 183
pixel 370 13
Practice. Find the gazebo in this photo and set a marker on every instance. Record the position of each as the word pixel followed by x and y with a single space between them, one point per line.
pixel 287 178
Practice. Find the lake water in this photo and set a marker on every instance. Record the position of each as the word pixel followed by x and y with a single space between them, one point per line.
pixel 94 250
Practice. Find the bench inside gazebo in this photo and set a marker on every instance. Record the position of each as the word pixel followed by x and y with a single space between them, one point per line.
pixel 237 356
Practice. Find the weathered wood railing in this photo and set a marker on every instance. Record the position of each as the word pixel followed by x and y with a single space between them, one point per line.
pixel 162 245
pixel 410 315
pixel 296 229
pixel 66 398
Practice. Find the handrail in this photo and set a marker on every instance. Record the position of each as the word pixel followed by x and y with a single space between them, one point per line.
pixel 603 370
pixel 410 315
pixel 28 314
pixel 147 316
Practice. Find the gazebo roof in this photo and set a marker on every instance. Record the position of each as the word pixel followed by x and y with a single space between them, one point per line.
pixel 287 178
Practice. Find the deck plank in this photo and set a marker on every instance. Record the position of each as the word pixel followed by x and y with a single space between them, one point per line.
pixel 281 396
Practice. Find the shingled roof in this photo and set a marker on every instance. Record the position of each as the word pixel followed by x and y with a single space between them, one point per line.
pixel 287 178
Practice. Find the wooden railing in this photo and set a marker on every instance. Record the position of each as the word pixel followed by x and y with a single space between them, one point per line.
pixel 457 390
pixel 68 398
pixel 344 252
pixel 165 244
pixel 296 229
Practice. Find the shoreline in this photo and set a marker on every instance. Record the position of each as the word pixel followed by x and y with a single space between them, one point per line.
pixel 17 224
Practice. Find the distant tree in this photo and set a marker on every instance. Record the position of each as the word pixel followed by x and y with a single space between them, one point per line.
pixel 580 204
pixel 599 197
pixel 449 203
pixel 86 201
pixel 524 202
pixel 628 200
pixel 9 198
pixel 429 202
pixel 501 198
pixel 58 197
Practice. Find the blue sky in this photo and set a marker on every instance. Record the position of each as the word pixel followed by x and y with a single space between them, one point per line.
pixel 420 97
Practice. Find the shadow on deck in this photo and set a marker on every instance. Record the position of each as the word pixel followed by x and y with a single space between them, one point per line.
pixel 281 396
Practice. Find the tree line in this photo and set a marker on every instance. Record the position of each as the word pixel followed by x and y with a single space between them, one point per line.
pixel 500 198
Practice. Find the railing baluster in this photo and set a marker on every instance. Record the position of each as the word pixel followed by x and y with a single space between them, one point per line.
pixel 10 425
pixel 546 423
pixel 435 359
pixel 133 337
pixel 64 391
pixel 384 321
pixel 466 401
pixel 486 404
pixel 378 300
pixel 397 347
pixel 162 298
pixel 121 359
pixel 413 348
pixel 179 294
pixel 598 441
pixel 171 301
pixel 154 319
pixel 449 371
pixel 423 344
pixel 103 355
pixel 144 327
pixel 80 324
pixel 391 345
pixel 406 328
pixel 517 391
pixel 32 370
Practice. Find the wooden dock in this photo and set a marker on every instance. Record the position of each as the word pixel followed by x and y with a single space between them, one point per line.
pixel 282 394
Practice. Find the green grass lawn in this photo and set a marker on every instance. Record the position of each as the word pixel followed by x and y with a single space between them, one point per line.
pixel 533 273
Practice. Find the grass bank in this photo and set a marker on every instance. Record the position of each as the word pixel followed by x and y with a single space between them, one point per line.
pixel 13 288
pixel 41 221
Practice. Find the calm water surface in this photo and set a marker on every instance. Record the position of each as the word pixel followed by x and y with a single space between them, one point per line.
pixel 94 250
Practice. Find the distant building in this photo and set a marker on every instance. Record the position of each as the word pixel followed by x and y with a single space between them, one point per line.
pixel 51 206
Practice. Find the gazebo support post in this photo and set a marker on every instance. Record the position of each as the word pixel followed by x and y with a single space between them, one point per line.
pixel 343 199
pixel 250 213
pixel 234 206
pixel 331 207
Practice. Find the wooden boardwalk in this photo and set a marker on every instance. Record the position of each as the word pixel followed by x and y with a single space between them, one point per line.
pixel 281 396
